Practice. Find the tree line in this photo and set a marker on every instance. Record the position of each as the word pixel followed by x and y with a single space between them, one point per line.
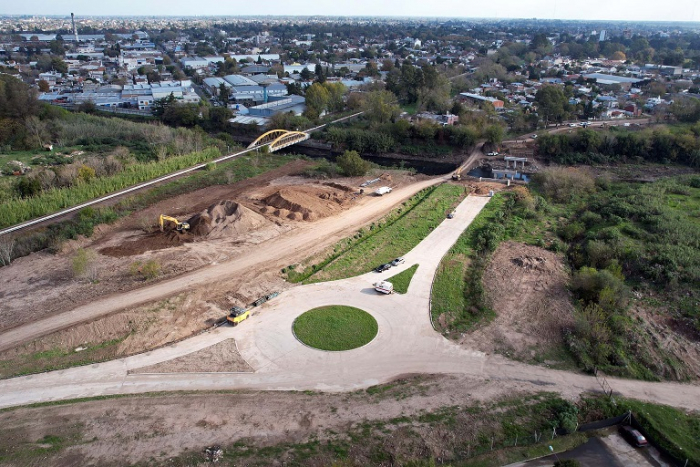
pixel 591 147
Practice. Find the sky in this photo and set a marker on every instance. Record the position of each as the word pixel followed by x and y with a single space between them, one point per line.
pixel 625 10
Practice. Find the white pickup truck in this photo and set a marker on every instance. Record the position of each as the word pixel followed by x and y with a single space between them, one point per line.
pixel 382 190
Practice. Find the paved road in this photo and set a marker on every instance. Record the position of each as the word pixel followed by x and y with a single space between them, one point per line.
pixel 406 343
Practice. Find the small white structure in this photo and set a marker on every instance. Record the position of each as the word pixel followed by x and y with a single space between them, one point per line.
pixel 384 287
pixel 382 191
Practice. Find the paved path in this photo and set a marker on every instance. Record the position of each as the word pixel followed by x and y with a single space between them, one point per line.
pixel 406 343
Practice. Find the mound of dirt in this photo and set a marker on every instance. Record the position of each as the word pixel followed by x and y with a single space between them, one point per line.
pixel 307 203
pixel 526 287
pixel 225 219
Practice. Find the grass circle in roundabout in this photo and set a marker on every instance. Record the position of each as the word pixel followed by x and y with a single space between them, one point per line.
pixel 335 328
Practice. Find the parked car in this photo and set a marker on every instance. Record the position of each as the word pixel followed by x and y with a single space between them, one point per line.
pixel 534 136
pixel 492 154
pixel 450 215
pixel 383 267
pixel 398 261
pixel 633 437
pixel 573 125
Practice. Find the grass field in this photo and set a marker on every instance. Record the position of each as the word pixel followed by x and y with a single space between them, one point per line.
pixel 335 328
pixel 457 285
pixel 402 280
pixel 384 240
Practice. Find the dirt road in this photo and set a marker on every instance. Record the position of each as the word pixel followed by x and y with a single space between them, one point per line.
pixel 267 256
pixel 406 343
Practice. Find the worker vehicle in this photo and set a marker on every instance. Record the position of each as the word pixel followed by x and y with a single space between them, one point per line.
pixel 384 287
pixel 633 436
pixel 179 226
pixel 382 191
pixel 382 267
pixel 237 315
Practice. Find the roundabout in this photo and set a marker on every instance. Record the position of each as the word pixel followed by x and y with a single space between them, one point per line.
pixel 335 328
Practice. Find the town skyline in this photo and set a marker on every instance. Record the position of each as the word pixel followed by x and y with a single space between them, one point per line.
pixel 595 10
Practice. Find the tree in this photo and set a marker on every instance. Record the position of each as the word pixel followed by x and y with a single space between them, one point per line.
pixel 352 165
pixel 224 93
pixel 551 103
pixel 494 134
pixel 43 85
pixel 336 92
pixel 381 106
pixel 317 99
pixel 160 105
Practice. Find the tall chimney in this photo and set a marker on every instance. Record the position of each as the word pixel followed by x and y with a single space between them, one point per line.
pixel 75 31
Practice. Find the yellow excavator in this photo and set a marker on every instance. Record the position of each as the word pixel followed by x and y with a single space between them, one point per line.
pixel 179 226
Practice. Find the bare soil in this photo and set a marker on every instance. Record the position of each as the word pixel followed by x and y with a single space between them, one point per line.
pixel 44 283
pixel 221 357
pixel 155 428
pixel 526 287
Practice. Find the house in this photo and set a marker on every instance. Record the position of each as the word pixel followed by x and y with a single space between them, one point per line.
pixel 477 99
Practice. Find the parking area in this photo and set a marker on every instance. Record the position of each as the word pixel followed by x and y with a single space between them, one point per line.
pixel 609 450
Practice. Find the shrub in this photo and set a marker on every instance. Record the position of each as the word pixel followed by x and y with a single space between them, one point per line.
pixel 562 185
pixel 352 165
pixel 145 270
pixel 84 264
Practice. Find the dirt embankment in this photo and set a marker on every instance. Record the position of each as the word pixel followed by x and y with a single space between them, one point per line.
pixel 119 431
pixel 526 287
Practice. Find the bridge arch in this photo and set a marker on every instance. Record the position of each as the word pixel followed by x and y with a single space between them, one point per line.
pixel 278 139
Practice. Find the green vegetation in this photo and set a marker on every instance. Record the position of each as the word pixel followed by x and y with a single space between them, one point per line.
pixel 384 240
pixel 17 210
pixel 402 280
pixel 616 237
pixel 679 144
pixel 335 328
pixel 641 236
pixel 351 164
pixel 458 292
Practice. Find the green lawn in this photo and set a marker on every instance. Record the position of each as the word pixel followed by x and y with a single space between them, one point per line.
pixel 402 280
pixel 335 328
pixel 392 236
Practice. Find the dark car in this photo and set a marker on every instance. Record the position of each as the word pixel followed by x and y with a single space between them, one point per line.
pixel 633 437
pixel 451 215
pixel 383 267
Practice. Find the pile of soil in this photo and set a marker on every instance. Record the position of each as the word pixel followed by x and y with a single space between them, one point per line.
pixel 307 203
pixel 225 219
pixel 526 287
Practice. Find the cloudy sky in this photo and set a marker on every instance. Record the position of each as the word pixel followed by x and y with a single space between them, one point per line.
pixel 630 10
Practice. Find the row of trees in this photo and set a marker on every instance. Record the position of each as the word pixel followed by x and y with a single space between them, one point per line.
pixel 589 146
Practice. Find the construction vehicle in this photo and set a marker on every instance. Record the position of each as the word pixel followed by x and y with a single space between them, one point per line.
pixel 237 315
pixel 457 175
pixel 179 226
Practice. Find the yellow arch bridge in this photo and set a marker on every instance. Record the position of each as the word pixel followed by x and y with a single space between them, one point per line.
pixel 278 139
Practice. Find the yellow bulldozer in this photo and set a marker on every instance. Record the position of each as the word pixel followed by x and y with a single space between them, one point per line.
pixel 179 226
